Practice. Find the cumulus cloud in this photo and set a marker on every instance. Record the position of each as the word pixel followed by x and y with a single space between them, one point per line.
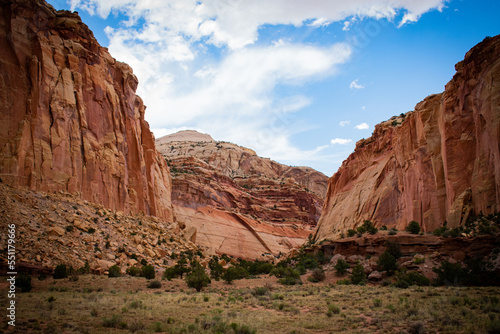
pixel 341 141
pixel 199 65
pixel 362 126
pixel 236 22
pixel 355 85
pixel 344 123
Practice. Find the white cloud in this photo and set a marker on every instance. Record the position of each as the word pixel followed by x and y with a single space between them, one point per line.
pixel 236 22
pixel 341 141
pixel 362 126
pixel 355 85
pixel 344 123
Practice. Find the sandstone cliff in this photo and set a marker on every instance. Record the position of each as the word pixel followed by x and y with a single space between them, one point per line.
pixel 439 163
pixel 69 117
pixel 238 203
pixel 236 161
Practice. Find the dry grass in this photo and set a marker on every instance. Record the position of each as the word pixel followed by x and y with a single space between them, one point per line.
pixel 124 305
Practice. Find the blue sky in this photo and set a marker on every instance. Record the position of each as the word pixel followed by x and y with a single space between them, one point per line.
pixel 297 81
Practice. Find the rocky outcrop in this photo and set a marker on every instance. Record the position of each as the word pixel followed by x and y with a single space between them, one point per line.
pixel 235 161
pixel 61 228
pixel 69 117
pixel 239 203
pixel 439 163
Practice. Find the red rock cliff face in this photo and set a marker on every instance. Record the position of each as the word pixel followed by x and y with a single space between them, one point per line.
pixel 69 117
pixel 439 163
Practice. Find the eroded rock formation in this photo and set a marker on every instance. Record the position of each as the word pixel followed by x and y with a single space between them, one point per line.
pixel 439 163
pixel 69 117
pixel 239 203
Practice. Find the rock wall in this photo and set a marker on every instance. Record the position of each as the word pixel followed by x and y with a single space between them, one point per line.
pixel 237 161
pixel 238 203
pixel 439 163
pixel 69 117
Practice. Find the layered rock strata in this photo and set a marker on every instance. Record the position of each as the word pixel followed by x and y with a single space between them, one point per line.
pixel 439 163
pixel 239 203
pixel 69 117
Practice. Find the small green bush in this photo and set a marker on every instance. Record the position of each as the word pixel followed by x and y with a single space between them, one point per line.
pixel 170 273
pixel 406 279
pixel 60 271
pixel 148 271
pixel 332 309
pixel 154 284
pixel 260 291
pixel 234 273
pixel 197 279
pixel 341 267
pixel 394 249
pixel 393 231
pixel 133 271
pixel 114 271
pixel 351 233
pixel 23 282
pixel 358 276
pixel 413 227
pixel 317 275
pixel 216 269
pixel 387 262
pixel 450 274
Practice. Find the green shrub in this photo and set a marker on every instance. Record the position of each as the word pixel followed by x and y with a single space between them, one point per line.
pixel 154 284
pixel 351 233
pixel 439 231
pixel 260 291
pixel 358 276
pixel 113 322
pixel 413 227
pixel 216 269
pixel 332 309
pixel 170 273
pixel 317 275
pixel 455 233
pixel 60 271
pixel 393 231
pixel 383 228
pixel 182 267
pixel 287 276
pixel 197 279
pixel 450 274
pixel 341 267
pixel 148 272
pixel 411 278
pixel 394 249
pixel 133 271
pixel 387 262
pixel 345 281
pixel 114 271
pixel 23 282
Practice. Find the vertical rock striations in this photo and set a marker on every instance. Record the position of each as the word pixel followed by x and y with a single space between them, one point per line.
pixel 69 117
pixel 438 163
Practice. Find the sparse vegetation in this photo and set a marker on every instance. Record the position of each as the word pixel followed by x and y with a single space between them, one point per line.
pixel 60 271
pixel 413 227
pixel 197 279
pixel 114 271
pixel 358 276
pixel 23 282
pixel 341 267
